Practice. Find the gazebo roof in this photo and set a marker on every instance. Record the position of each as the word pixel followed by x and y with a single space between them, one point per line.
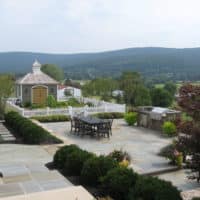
pixel 36 76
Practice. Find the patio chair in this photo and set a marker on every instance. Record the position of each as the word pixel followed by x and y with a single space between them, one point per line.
pixel 78 126
pixel 88 130
pixel 103 129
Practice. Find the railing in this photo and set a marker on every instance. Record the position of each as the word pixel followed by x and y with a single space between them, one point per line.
pixel 107 107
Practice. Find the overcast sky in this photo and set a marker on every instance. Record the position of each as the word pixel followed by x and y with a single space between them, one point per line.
pixel 69 26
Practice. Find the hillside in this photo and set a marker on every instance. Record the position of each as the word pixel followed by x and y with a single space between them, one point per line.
pixel 181 64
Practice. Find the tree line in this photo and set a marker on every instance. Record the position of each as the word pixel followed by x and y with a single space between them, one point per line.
pixel 136 92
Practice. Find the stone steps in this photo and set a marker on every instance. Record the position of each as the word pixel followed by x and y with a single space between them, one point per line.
pixel 5 135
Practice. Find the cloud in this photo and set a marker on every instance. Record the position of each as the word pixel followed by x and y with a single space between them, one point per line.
pixel 96 25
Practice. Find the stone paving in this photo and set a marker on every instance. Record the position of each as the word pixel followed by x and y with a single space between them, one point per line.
pixel 179 178
pixel 5 135
pixel 23 171
pixel 142 144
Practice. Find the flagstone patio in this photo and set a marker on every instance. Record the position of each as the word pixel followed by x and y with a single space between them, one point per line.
pixel 142 144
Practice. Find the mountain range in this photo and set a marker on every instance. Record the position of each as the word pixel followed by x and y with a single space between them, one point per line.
pixel 177 64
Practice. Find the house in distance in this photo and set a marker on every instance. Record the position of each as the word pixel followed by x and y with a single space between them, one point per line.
pixel 35 86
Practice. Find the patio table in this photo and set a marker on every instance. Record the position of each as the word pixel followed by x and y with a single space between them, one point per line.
pixel 94 126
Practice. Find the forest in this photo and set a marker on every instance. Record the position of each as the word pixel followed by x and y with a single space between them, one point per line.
pixel 159 64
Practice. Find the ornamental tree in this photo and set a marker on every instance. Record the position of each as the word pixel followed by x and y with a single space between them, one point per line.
pixel 6 89
pixel 189 101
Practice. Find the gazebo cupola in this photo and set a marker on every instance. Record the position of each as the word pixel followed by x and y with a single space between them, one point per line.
pixel 36 67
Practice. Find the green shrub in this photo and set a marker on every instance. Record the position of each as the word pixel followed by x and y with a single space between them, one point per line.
pixel 74 102
pixel 179 160
pixel 168 152
pixel 51 101
pixel 131 118
pixel 169 128
pixel 75 160
pixel 52 118
pixel 37 106
pixel 61 104
pixel 196 198
pixel 118 182
pixel 96 167
pixel 152 188
pixel 111 115
pixel 61 155
pixel 120 155
pixel 106 97
pixel 27 104
pixel 30 132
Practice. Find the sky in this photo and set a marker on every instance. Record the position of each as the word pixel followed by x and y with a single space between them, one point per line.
pixel 72 26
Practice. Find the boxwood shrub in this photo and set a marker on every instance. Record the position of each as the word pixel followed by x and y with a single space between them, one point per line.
pixel 52 118
pixel 30 132
pixel 118 182
pixel 75 160
pixel 169 128
pixel 152 188
pixel 131 118
pixel 62 154
pixel 111 115
pixel 95 168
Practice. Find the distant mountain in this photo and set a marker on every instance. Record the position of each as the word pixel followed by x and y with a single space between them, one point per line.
pixel 181 64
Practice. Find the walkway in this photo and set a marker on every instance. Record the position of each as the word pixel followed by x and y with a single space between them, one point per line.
pixel 23 171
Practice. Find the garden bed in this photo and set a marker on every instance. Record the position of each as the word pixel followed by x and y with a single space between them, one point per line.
pixel 106 176
pixel 52 118
pixel 27 131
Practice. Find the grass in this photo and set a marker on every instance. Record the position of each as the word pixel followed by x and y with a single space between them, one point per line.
pixel 178 84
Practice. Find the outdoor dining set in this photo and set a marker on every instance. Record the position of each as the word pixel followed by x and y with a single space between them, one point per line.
pixel 92 126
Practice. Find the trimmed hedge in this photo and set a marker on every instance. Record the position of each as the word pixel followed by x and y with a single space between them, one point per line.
pixel 95 168
pixel 111 115
pixel 75 160
pixel 118 182
pixel 61 155
pixel 30 132
pixel 152 188
pixel 52 118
